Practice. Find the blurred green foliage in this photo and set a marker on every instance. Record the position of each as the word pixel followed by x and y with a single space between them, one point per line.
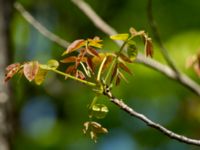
pixel 50 117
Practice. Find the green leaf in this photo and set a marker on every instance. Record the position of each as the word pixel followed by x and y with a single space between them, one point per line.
pixel 40 76
pixel 132 50
pixel 122 37
pixel 99 111
pixel 53 64
pixel 94 129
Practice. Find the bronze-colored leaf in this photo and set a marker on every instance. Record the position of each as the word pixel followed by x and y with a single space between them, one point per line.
pixel 74 46
pixel 114 72
pixel 92 51
pixel 124 58
pixel 125 68
pixel 197 69
pixel 70 69
pixel 11 70
pixel 90 65
pixel 118 79
pixel 80 75
pixel 149 47
pixel 69 59
pixel 80 57
pixel 30 70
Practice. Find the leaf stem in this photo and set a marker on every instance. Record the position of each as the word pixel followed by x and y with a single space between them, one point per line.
pixel 73 78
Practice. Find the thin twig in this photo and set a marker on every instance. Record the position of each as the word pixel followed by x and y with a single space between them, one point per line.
pixel 43 30
pixel 149 122
pixel 157 38
pixel 169 72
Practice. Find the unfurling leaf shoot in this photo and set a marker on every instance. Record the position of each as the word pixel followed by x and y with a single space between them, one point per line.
pixel 86 63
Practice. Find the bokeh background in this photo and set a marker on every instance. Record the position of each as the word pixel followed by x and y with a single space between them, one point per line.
pixel 50 116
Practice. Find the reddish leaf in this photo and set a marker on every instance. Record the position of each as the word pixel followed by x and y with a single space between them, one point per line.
pixel 74 46
pixel 71 59
pixel 80 75
pixel 149 47
pixel 70 70
pixel 108 62
pixel 125 68
pixel 197 69
pixel 90 65
pixel 114 72
pixel 80 57
pixel 31 69
pixel 11 70
pixel 92 51
pixel 118 79
pixel 125 58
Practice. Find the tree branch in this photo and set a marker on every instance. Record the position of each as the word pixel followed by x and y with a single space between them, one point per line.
pixel 37 25
pixel 153 64
pixel 149 122
pixel 156 35
pixel 167 71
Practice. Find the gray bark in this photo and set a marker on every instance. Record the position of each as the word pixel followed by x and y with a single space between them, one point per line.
pixel 5 51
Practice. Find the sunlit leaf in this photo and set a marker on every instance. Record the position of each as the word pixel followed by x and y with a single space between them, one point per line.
pixel 53 64
pixel 95 42
pixel 122 37
pixel 40 76
pixel 99 111
pixel 11 70
pixel 74 46
pixel 125 68
pixel 30 70
pixel 149 47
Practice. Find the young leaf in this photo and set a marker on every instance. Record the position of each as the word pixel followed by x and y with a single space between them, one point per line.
pixel 124 58
pixel 149 47
pixel 118 79
pixel 122 37
pixel 53 64
pixel 11 70
pixel 93 128
pixel 90 65
pixel 99 111
pixel 114 72
pixel 95 42
pixel 92 51
pixel 132 50
pixel 74 46
pixel 40 76
pixel 69 59
pixel 31 69
pixel 125 68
